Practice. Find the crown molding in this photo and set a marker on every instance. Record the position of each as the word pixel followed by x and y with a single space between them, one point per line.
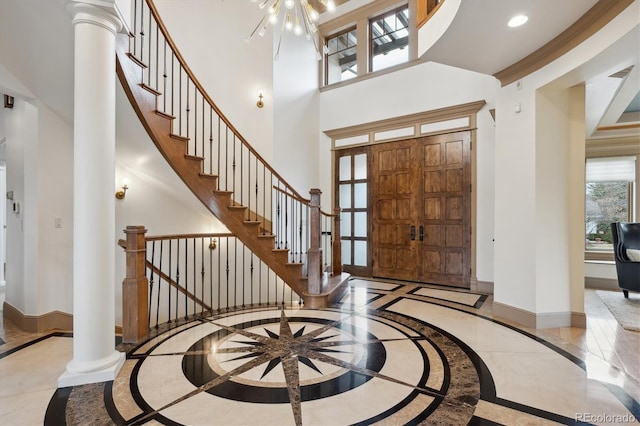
pixel 586 26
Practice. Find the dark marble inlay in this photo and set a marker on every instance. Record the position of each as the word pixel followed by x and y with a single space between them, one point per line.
pixel 307 347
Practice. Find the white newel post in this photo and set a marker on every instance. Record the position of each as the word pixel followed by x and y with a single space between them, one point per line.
pixel 94 356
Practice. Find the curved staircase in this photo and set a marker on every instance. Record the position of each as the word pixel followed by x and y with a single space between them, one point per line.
pixel 236 185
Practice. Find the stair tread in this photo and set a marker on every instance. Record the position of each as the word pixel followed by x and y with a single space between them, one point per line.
pixel 208 175
pixel 193 157
pixel 136 60
pixel 165 115
pixel 182 138
pixel 150 89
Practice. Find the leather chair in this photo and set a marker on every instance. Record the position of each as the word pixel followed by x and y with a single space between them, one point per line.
pixel 626 236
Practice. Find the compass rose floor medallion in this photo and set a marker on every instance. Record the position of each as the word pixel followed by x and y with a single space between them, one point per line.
pixel 301 366
pixel 387 353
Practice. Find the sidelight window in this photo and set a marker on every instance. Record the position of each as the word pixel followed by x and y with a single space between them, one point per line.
pixel 352 195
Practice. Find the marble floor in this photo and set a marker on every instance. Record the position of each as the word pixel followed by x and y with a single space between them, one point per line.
pixel 389 353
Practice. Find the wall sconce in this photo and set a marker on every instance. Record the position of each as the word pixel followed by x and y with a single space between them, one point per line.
pixel 260 104
pixel 120 194
pixel 213 244
pixel 8 101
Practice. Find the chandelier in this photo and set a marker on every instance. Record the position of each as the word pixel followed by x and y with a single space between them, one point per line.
pixel 295 16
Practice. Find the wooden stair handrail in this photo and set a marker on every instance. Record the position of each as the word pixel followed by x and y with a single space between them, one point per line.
pixel 205 95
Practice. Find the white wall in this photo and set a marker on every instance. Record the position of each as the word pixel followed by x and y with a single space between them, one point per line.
pixel 3 214
pixel 3 199
pixel 39 171
pixel 21 132
pixel 296 113
pixel 523 184
pixel 415 89
pixel 211 37
pixel 55 200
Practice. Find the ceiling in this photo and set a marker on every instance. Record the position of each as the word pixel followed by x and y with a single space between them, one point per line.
pixel 478 40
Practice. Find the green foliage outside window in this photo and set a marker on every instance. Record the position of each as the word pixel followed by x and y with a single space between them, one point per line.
pixel 606 202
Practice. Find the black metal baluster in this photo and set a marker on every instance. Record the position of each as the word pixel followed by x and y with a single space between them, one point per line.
pixel 227 241
pixel 202 275
pixel 135 26
pixel 264 200
pixel 235 272
pixel 186 278
pixel 219 275
pixel 169 282
pixel 244 268
pixel 187 111
pixel 210 279
pixel 248 184
pixel 159 285
pixel 177 276
pixel 195 117
pixel 153 255
pixel 257 205
pixel 211 141
pixel 194 278
pixel 226 159
pixel 278 224
pixel 142 38
pixel 286 222
pixel 157 70
pixel 203 132
pixel 149 63
pixel 180 99
pixel 251 280
pixel 164 77
pixel 233 174
pixel 173 92
pixel 259 281
pixel 219 157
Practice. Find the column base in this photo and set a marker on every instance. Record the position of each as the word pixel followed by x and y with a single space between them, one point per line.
pixel 74 376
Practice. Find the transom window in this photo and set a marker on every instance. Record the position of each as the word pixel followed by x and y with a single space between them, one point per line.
pixel 389 38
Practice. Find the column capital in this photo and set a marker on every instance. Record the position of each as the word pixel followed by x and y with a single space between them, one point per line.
pixel 103 13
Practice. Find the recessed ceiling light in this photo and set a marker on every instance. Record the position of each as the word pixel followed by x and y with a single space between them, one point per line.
pixel 518 20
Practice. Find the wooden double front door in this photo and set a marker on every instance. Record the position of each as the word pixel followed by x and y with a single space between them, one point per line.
pixel 421 209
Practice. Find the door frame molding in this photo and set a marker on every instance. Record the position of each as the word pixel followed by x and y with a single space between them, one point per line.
pixel 449 119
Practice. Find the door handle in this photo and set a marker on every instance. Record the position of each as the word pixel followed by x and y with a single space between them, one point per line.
pixel 421 233
pixel 413 233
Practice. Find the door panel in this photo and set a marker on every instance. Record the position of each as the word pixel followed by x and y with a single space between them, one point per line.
pixel 395 195
pixel 422 209
pixel 447 179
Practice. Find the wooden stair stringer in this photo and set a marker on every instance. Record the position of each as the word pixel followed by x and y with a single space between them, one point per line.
pixel 188 168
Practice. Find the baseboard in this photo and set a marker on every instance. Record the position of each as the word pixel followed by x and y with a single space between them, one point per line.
pixel 601 283
pixel 539 321
pixel 37 323
pixel 485 287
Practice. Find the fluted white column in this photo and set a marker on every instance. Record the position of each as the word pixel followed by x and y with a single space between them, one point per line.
pixel 94 356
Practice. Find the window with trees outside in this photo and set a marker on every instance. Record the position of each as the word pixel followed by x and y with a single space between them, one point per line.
pixel 609 198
